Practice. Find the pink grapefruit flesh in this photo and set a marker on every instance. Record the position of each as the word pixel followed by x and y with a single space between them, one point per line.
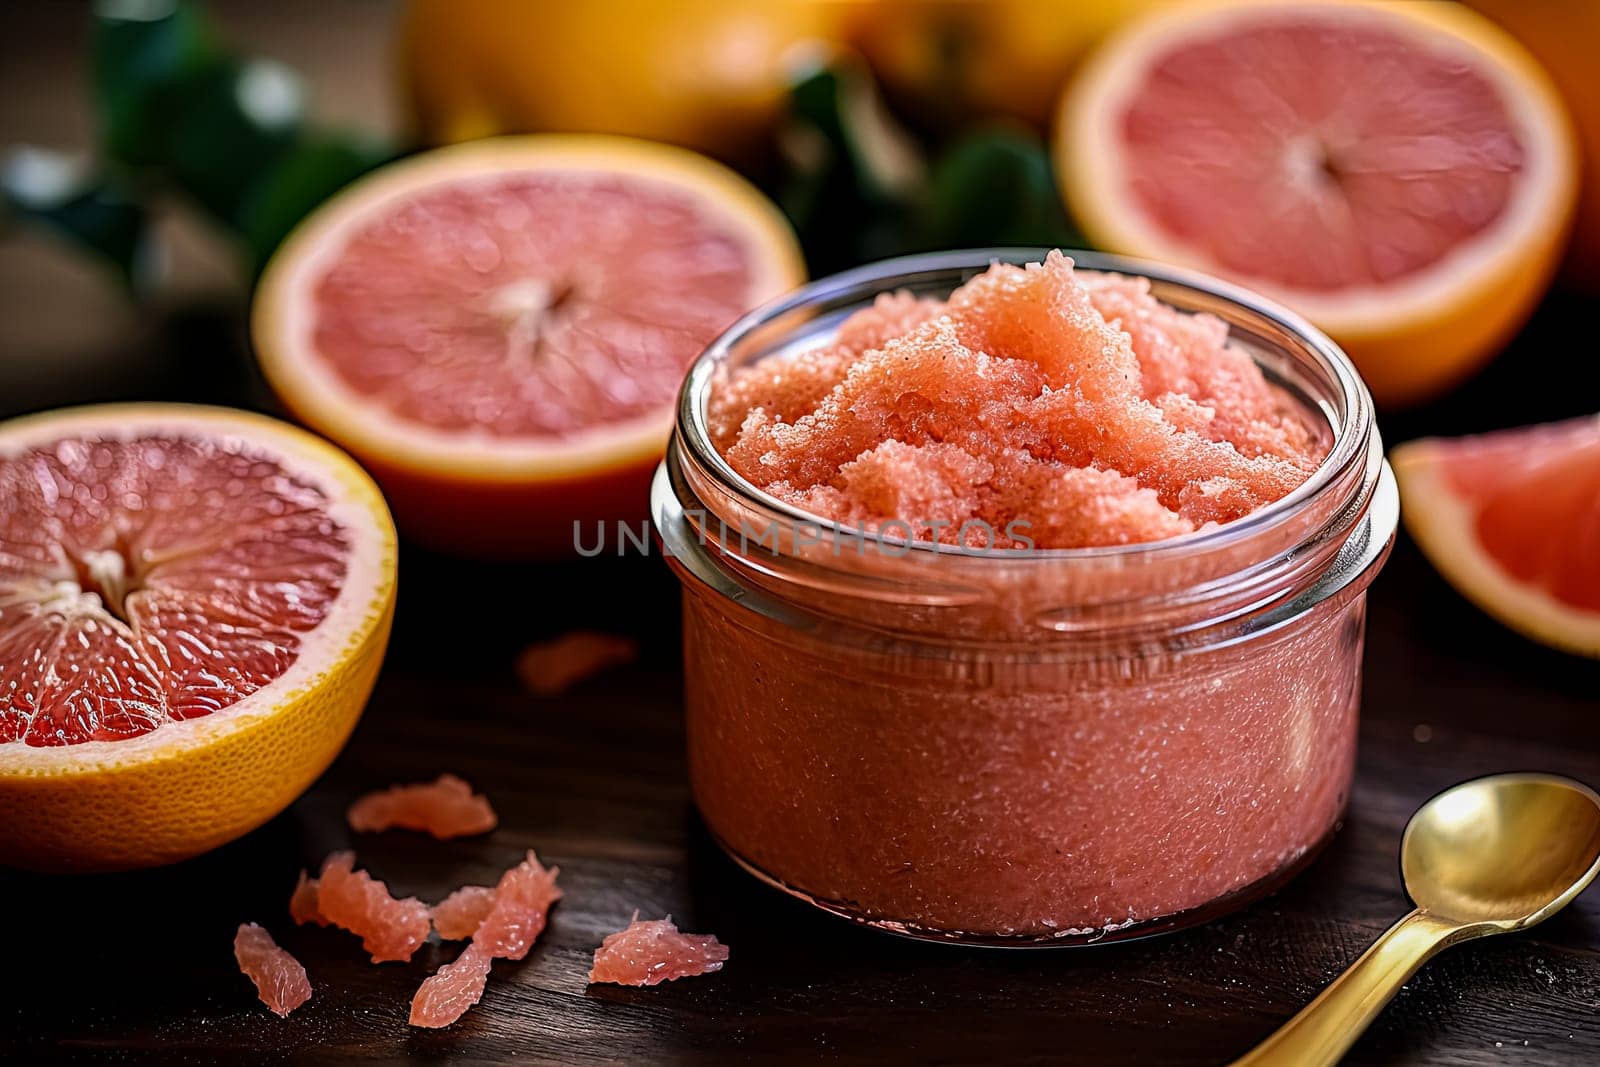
pixel 445 995
pixel 528 305
pixel 1401 173
pixel 194 605
pixel 650 952
pixel 304 902
pixel 507 921
pixel 279 978
pixel 1074 409
pixel 1512 519
pixel 498 329
pixel 446 807
pixel 1537 497
pixel 522 901
pixel 459 915
pixel 550 668
pixel 1382 183
pixel 390 928
pixel 153 578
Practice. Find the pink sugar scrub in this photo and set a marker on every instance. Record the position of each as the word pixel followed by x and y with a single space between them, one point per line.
pixel 1137 733
pixel 1037 407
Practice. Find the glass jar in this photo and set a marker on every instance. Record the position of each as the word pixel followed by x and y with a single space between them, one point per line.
pixel 1049 747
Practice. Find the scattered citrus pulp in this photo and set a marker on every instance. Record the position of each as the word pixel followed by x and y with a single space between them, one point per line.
pixel 279 978
pixel 390 928
pixel 708 74
pixel 653 951
pixel 498 330
pixel 194 604
pixel 1512 519
pixel 952 62
pixel 304 904
pixel 522 901
pixel 550 668
pixel 508 928
pixel 446 807
pixel 1562 37
pixel 459 915
pixel 1402 174
pixel 445 995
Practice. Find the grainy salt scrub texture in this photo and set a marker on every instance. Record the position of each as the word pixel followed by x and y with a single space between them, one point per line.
pixel 1037 407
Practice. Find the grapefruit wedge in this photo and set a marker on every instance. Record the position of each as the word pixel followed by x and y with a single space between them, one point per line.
pixel 194 604
pixel 1402 174
pixel 498 330
pixel 1512 519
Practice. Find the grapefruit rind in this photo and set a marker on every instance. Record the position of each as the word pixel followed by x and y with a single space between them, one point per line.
pixel 281 320
pixel 1411 337
pixel 1443 525
pixel 195 784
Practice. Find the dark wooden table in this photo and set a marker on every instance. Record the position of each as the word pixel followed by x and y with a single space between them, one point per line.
pixel 138 968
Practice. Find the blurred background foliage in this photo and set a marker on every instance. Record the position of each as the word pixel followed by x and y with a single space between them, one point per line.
pixel 178 110
pixel 181 113
pixel 880 127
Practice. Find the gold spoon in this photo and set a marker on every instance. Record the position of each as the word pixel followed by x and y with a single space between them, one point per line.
pixel 1489 856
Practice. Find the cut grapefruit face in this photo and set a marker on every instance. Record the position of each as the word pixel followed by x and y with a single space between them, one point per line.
pixel 193 606
pixel 1512 519
pixel 514 315
pixel 1402 174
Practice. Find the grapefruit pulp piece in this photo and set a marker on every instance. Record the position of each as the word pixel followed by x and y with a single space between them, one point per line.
pixel 445 995
pixel 305 902
pixel 446 807
pixel 1512 520
pixel 279 978
pixel 654 951
pixel 194 604
pixel 522 901
pixel 514 918
pixel 550 668
pixel 459 915
pixel 390 928
pixel 498 330
pixel 1403 175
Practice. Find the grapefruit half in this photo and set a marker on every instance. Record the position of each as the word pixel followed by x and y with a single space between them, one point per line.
pixel 1512 520
pixel 194 604
pixel 498 330
pixel 1402 174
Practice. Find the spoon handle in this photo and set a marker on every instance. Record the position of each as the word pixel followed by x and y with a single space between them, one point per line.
pixel 1319 1035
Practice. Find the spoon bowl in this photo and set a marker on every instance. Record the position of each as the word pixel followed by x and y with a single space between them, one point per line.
pixel 1509 850
pixel 1488 856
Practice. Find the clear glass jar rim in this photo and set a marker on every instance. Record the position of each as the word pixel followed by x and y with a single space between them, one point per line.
pixel 1351 438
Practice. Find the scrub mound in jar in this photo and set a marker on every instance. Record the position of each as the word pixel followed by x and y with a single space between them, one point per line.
pixel 1024 747
pixel 1037 407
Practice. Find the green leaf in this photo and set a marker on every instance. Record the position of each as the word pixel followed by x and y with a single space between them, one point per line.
pixel 143 51
pixel 852 176
pixel 311 171
pixel 93 211
pixel 995 187
pixel 234 122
